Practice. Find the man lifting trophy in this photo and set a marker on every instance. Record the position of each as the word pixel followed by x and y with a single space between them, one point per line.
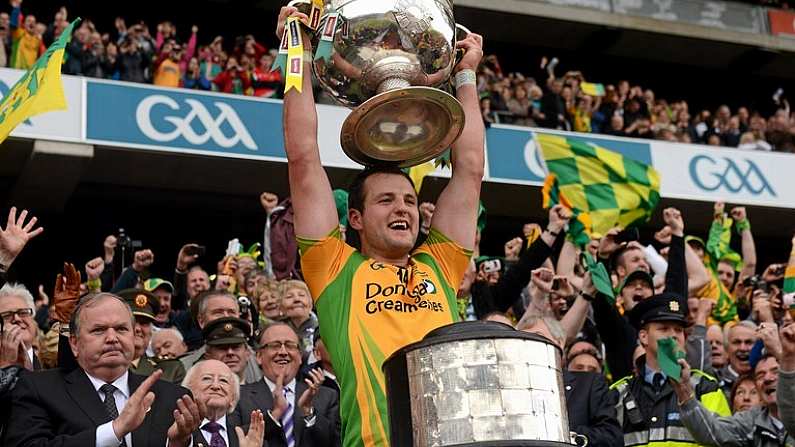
pixel 386 57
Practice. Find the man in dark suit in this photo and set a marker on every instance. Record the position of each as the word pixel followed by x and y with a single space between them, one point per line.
pixel 216 388
pixel 100 403
pixel 299 414
pixel 591 410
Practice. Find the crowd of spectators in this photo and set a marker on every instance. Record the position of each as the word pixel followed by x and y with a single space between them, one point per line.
pixel 132 53
pixel 622 109
pixel 172 59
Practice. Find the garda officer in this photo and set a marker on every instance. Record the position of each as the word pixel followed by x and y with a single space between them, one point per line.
pixel 145 306
pixel 647 406
pixel 226 340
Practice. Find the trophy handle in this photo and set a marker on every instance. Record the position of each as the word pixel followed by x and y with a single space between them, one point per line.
pixel 461 32
pixel 579 440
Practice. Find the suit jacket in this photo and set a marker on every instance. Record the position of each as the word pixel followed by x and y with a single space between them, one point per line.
pixel 324 433
pixel 591 409
pixel 56 408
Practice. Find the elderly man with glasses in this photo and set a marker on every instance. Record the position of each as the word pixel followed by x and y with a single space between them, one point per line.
pixel 18 327
pixel 299 413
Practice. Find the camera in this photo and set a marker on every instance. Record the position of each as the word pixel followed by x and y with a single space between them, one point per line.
pixel 124 241
pixel 245 304
pixel 756 283
pixel 492 266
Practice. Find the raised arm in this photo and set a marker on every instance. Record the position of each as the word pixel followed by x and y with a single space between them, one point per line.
pixel 747 239
pixel 310 190
pixel 457 207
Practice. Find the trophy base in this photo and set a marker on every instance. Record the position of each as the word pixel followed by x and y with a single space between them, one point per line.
pixel 402 127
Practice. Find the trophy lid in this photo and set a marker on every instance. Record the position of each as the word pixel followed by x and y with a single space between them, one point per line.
pixel 402 127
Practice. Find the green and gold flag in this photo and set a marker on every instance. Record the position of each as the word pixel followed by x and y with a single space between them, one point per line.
pixel 602 188
pixel 39 90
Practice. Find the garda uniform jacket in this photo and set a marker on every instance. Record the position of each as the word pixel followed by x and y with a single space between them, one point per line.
pixel 653 419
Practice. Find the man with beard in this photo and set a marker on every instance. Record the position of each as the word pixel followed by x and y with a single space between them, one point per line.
pixel 226 341
pixel 740 338
pixel 299 414
pixel 145 306
pixel 767 425
pixel 387 294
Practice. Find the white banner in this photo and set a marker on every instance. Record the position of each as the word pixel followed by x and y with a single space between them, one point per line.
pixel 66 125
pixel 696 172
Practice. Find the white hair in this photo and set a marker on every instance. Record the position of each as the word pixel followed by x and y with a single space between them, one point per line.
pixel 186 382
pixel 169 330
pixel 748 324
pixel 18 290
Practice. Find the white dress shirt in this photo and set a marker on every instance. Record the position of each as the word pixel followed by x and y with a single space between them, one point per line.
pixel 105 436
pixel 223 432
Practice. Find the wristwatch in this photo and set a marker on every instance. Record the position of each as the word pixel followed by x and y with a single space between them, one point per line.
pixel 586 296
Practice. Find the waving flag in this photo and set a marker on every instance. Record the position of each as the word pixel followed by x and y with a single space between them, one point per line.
pixel 603 188
pixel 39 90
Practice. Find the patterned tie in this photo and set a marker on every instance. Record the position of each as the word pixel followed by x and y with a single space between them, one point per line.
pixel 215 428
pixel 287 420
pixel 110 405
pixel 659 382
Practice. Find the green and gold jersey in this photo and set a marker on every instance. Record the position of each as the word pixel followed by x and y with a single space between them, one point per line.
pixel 368 310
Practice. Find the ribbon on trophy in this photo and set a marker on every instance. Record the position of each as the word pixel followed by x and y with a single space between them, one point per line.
pixel 295 55
pixel 315 14
pixel 281 59
pixel 325 46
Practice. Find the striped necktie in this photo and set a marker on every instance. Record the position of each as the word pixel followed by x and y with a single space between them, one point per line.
pixel 287 420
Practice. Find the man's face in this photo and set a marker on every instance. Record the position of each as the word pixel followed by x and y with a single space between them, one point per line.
pixel 634 292
pixel 726 274
pixel 15 304
pixel 632 259
pixel 389 223
pixel 658 330
pixel 212 383
pixel 280 354
pixel 296 304
pixel 717 350
pixel 167 345
pixel 557 302
pixel 105 343
pixel 585 363
pixel 746 396
pixel 164 297
pixel 30 23
pixel 766 377
pixel 219 306
pixel 235 356
pixel 5 19
pixel 198 282
pixel 143 333
pixel 741 340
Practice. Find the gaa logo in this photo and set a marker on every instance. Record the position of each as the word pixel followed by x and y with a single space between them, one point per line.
pixel 182 123
pixel 726 174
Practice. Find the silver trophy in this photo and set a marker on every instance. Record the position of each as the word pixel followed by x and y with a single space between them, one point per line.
pixel 478 384
pixel 390 59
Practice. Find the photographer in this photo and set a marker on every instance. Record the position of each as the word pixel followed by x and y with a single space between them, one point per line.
pixel 234 79
pixel 133 61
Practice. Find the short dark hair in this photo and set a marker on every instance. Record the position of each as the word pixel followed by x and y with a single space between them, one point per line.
pixel 89 301
pixel 356 190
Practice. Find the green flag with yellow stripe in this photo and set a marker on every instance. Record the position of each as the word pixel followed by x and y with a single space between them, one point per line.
pixel 603 188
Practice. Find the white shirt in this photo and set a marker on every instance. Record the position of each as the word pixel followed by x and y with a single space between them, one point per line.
pixel 223 432
pixel 105 436
pixel 30 355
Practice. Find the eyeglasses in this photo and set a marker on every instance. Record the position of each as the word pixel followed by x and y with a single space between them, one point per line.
pixel 21 313
pixel 277 345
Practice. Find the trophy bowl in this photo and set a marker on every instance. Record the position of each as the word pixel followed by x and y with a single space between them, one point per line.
pixel 389 61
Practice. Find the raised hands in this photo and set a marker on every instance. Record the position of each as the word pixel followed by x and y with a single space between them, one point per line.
pixel 768 333
pixel 12 348
pixel 673 218
pixel 268 200
pixel 256 431
pixel 512 249
pixel 279 401
pixel 188 255
pixel 542 279
pixel 109 245
pixel 66 294
pixel 94 269
pixel 134 411
pixel 314 381
pixel 142 260
pixel 559 217
pixel 787 339
pixel 187 418
pixel 16 235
